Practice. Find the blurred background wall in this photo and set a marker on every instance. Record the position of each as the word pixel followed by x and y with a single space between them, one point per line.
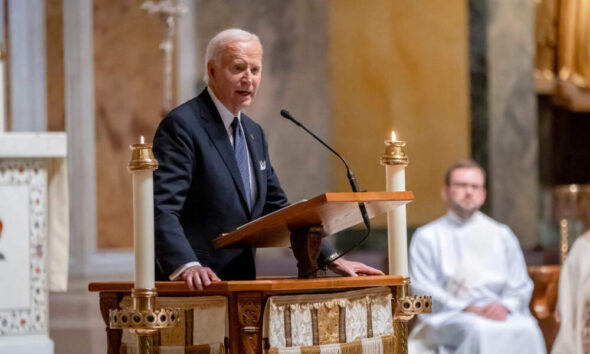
pixel 351 73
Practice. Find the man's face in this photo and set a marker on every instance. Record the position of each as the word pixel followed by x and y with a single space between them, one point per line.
pixel 466 192
pixel 234 78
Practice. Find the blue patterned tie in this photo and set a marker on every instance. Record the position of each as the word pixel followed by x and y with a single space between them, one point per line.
pixel 241 154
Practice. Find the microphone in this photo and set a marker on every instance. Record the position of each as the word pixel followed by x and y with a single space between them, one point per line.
pixel 351 179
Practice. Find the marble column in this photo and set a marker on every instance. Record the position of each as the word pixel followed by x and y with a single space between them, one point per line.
pixel 186 54
pixel 512 125
pixel 79 110
pixel 28 96
pixel 478 81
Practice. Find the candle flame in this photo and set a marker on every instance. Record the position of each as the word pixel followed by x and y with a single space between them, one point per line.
pixel 393 137
pixel 141 141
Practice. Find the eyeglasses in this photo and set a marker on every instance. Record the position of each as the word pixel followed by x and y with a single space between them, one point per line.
pixel 475 187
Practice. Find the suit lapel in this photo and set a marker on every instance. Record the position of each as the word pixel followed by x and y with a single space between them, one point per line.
pixel 218 134
pixel 255 148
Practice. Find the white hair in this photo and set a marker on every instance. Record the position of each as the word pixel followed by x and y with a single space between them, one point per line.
pixel 218 43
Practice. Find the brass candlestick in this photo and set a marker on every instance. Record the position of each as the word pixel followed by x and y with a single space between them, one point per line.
pixel 144 319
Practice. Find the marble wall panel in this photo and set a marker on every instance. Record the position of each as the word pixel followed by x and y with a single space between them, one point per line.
pixel 513 123
pixel 128 90
pixel 55 65
pixel 14 249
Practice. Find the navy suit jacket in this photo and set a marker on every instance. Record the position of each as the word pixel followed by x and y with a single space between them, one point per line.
pixel 198 191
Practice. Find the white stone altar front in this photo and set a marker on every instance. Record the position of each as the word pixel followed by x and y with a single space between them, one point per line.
pixel 33 237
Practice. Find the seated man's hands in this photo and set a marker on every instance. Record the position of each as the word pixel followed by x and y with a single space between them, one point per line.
pixel 351 268
pixel 491 311
pixel 198 277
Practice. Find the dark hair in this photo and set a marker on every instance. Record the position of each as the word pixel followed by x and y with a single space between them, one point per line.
pixel 463 164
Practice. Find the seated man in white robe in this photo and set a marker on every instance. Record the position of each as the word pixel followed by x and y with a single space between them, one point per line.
pixel 573 300
pixel 474 269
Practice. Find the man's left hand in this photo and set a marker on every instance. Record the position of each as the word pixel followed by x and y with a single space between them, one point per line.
pixel 351 268
pixel 494 311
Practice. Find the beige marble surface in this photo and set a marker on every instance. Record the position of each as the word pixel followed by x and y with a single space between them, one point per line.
pixel 128 89
pixel 400 65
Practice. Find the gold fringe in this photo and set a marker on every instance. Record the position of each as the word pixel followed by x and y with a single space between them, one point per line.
pixel 355 347
pixel 387 344
pixel 197 349
pixel 311 350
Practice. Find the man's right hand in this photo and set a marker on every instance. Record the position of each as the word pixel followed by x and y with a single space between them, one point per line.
pixel 198 278
pixel 491 311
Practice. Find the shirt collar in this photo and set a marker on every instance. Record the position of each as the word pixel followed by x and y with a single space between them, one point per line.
pixel 226 116
pixel 456 219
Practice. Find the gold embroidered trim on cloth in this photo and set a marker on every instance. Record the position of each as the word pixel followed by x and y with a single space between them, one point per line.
pixel 363 346
pixel 192 349
pixel 327 320
pixel 203 326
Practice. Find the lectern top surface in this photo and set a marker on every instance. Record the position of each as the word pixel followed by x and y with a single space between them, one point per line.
pixel 333 211
pixel 284 284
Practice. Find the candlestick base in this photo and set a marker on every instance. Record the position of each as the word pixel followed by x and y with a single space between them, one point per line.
pixel 144 319
pixel 405 308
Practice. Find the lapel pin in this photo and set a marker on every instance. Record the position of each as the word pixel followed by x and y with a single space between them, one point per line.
pixel 262 165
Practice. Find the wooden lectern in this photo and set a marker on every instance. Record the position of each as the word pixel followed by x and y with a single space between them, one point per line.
pixel 284 228
pixel 290 227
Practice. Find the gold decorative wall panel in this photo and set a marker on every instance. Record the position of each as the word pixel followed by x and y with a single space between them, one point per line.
pixel 400 65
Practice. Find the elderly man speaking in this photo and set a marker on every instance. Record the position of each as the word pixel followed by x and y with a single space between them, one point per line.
pixel 215 174
pixel 474 269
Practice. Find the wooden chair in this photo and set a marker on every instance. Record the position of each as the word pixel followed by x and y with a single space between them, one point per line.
pixel 544 300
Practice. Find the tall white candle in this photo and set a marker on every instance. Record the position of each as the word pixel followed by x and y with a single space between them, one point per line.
pixel 141 167
pixel 143 228
pixel 397 234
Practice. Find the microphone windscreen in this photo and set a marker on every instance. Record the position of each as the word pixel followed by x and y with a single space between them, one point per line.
pixel 286 114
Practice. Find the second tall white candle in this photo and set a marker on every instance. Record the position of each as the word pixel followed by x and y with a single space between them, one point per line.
pixel 397 233
pixel 143 228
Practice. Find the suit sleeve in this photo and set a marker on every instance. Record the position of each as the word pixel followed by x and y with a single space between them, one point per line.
pixel 277 199
pixel 174 150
